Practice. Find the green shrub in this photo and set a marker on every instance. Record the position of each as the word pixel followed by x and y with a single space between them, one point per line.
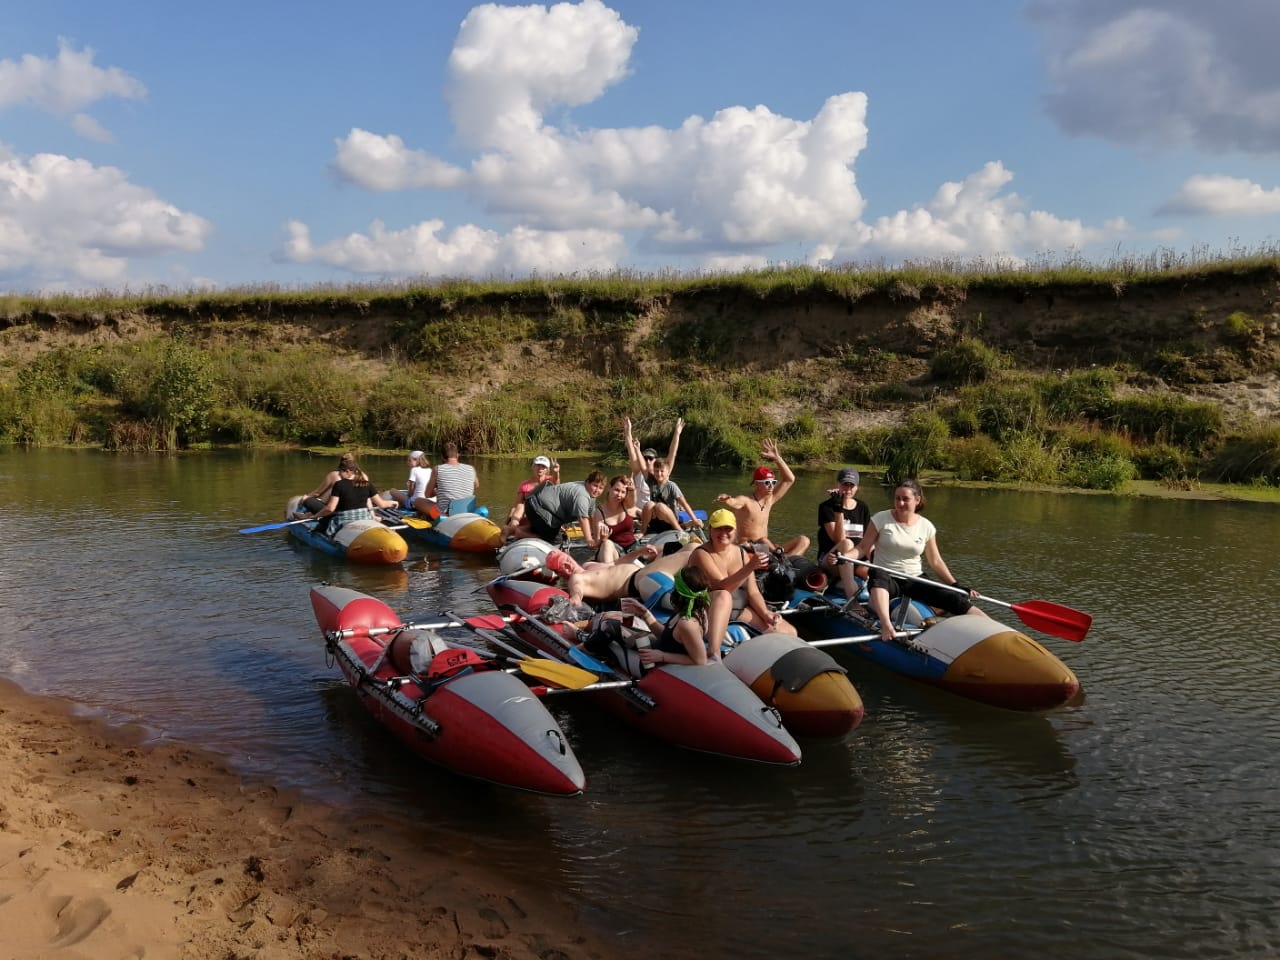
pixel 1098 471
pixel 1005 410
pixel 239 424
pixel 1253 457
pixel 1093 442
pixel 1164 418
pixel 1028 458
pixel 962 420
pixel 181 395
pixel 976 458
pixel 864 446
pixel 967 361
pixel 1161 461
pixel 401 412
pixel 916 444
pixel 803 426
pixel 560 323
pixel 1082 395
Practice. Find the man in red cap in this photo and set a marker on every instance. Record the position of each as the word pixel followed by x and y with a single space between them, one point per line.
pixel 752 513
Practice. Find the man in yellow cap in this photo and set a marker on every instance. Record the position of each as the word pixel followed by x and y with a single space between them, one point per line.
pixel 732 568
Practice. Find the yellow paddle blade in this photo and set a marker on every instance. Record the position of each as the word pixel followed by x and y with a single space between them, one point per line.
pixel 561 674
pixel 418 523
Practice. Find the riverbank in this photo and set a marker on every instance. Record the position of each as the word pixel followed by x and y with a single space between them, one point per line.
pixel 110 847
pixel 1087 378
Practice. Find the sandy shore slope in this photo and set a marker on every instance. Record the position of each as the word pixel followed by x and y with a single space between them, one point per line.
pixel 112 850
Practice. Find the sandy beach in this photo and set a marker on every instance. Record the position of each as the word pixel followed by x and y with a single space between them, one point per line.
pixel 115 850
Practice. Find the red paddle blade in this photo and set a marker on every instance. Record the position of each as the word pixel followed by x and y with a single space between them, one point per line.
pixel 492 621
pixel 1053 618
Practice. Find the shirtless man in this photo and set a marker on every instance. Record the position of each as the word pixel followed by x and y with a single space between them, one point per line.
pixel 752 513
pixel 613 581
pixel 730 572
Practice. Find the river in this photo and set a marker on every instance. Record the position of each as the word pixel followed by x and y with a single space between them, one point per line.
pixel 1138 822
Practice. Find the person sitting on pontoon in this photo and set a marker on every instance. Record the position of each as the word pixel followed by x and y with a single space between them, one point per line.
pixel 752 512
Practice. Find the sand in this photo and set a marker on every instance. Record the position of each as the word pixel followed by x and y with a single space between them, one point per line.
pixel 115 850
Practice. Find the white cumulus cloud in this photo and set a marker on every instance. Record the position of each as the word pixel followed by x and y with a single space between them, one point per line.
pixel 465 251
pixel 65 85
pixel 1218 196
pixel 731 188
pixel 64 217
pixel 974 218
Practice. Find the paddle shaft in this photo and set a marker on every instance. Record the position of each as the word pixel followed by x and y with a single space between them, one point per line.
pixel 275 526
pixel 1054 618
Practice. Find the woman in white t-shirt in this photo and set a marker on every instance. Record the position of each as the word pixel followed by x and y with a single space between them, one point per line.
pixel 901 537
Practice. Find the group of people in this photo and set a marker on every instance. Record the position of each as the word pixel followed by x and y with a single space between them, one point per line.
pixel 714 577
pixel 347 494
pixel 715 582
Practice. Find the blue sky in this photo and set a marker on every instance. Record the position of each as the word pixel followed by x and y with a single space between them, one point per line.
pixel 147 144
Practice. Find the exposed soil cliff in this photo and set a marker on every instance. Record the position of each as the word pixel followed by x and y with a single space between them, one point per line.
pixel 1214 333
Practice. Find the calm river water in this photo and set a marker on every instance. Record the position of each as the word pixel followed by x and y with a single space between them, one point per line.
pixel 1141 822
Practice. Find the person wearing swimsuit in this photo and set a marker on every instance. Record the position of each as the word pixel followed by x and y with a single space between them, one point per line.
pixel 683 638
pixel 730 569
pixel 615 521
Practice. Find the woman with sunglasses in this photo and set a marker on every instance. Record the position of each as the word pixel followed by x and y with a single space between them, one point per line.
pixel 752 513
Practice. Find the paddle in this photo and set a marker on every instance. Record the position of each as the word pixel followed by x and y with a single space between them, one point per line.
pixel 561 674
pixel 604 685
pixel 551 671
pixel 407 519
pixel 576 654
pixel 860 638
pixel 1042 615
pixel 275 526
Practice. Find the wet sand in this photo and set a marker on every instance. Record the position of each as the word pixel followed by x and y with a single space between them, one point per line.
pixel 115 850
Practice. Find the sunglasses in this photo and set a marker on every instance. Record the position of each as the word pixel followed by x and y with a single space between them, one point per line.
pixel 767 483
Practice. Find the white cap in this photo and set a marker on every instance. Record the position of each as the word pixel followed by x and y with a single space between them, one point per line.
pixel 542 462
pixel 417 455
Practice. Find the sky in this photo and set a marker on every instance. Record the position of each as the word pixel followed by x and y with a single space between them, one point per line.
pixel 177 146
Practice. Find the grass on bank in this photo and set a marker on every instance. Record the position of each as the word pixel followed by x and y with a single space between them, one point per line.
pixel 849 280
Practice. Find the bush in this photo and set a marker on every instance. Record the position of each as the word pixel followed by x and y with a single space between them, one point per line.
pixel 968 361
pixel 864 446
pixel 976 458
pixel 401 412
pixel 181 395
pixel 1098 471
pixel 1083 395
pixel 1161 461
pixel 1253 457
pixel 1005 410
pixel 1028 458
pixel 918 443
pixel 1163 418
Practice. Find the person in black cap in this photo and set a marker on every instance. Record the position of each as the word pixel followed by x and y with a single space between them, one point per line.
pixel 842 520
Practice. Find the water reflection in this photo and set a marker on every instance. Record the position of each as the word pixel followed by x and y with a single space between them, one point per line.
pixel 1133 823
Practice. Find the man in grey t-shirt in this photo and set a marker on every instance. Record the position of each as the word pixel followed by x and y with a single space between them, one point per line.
pixel 551 506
